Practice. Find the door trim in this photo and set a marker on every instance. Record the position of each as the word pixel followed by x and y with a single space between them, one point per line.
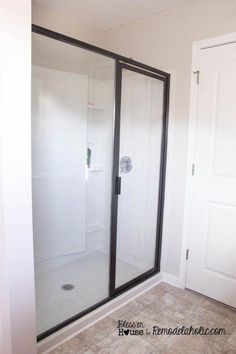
pixel 163 153
pixel 192 128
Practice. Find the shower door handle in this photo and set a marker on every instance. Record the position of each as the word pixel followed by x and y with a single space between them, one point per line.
pixel 118 185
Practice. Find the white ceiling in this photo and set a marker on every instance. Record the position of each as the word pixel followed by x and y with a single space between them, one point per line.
pixel 106 14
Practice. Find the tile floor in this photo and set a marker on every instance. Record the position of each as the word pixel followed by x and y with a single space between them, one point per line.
pixel 165 306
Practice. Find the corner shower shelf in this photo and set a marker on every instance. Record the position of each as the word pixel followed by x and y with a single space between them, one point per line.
pixel 93 107
pixel 93 228
pixel 96 168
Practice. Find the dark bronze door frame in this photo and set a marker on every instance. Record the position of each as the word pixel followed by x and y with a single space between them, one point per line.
pixel 130 64
pixel 120 65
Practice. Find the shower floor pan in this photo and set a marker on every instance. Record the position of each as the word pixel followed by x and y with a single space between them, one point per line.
pixel 64 290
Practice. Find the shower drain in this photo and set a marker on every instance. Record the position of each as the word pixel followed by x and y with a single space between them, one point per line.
pixel 67 287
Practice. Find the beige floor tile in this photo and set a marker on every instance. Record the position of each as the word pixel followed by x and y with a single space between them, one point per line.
pixel 127 312
pixel 164 287
pixel 147 298
pixel 97 332
pixel 209 319
pixel 221 345
pixel 157 293
pixel 205 317
pixel 187 345
pixel 115 344
pixel 149 324
pixel 154 294
pixel 188 295
pixel 73 346
pixel 232 340
pixel 229 350
pixel 220 309
pixel 170 307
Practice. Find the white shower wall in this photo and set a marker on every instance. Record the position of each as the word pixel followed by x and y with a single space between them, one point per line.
pixel 71 202
pixel 59 127
pixel 100 140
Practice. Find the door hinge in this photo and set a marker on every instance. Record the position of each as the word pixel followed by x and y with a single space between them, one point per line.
pixel 197 73
pixel 193 169
pixel 187 253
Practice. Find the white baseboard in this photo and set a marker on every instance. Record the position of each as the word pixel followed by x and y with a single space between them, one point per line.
pixel 61 336
pixel 173 280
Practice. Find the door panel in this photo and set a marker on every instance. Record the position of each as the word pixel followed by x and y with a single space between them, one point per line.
pixel 212 262
pixel 141 119
pixel 72 141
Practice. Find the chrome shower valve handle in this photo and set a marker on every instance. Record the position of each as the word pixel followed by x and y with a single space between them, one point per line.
pixel 125 164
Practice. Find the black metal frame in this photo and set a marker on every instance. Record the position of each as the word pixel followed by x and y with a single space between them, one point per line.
pixel 129 64
pixel 113 290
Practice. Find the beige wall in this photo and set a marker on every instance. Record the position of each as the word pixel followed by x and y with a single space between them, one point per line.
pixel 56 21
pixel 165 40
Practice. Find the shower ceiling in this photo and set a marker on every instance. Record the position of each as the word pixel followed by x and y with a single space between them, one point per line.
pixel 107 14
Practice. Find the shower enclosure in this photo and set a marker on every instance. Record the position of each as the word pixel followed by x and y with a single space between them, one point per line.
pixel 99 133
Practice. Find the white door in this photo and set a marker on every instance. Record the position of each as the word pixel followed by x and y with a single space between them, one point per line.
pixel 212 250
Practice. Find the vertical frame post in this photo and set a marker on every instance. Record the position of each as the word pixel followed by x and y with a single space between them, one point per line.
pixel 116 151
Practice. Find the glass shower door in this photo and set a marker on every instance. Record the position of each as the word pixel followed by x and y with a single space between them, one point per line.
pixel 72 140
pixel 141 97
pixel 98 173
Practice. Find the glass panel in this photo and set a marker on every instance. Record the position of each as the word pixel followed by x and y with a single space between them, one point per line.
pixel 140 147
pixel 72 140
